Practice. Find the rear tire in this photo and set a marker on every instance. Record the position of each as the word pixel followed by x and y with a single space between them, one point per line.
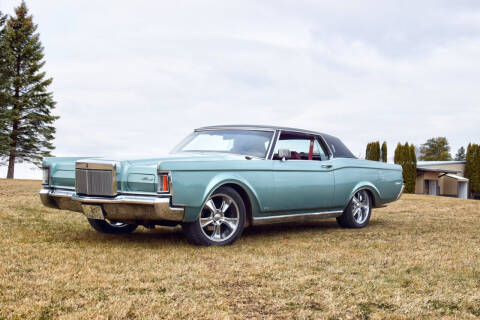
pixel 111 227
pixel 221 220
pixel 358 211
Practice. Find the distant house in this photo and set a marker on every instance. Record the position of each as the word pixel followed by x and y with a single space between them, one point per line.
pixel 441 178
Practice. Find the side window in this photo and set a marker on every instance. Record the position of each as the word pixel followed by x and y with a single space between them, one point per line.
pixel 318 152
pixel 299 147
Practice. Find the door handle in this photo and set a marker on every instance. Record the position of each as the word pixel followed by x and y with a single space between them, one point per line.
pixel 327 166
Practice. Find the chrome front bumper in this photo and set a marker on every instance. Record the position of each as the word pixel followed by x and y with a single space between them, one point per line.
pixel 122 207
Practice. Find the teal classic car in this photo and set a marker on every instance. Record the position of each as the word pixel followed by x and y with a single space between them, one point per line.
pixel 221 179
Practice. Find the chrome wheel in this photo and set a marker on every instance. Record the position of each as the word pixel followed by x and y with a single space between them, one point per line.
pixel 219 218
pixel 361 206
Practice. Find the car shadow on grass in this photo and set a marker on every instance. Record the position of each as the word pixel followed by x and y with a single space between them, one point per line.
pixel 144 235
pixel 174 235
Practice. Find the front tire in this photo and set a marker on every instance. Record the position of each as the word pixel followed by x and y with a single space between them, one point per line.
pixel 357 213
pixel 112 227
pixel 221 220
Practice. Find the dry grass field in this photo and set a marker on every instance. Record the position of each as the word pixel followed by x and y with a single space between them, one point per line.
pixel 418 258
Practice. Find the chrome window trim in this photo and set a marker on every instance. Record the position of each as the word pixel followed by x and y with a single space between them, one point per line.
pixel 273 143
pixel 278 128
pixel 235 128
pixel 259 128
pixel 330 153
pixel 278 133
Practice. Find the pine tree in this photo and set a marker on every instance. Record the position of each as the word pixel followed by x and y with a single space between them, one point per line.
pixel 468 161
pixel 372 151
pixel 413 169
pixel 460 156
pixel 396 157
pixel 368 150
pixel 406 157
pixel 3 18
pixel 3 85
pixel 378 154
pixel 399 158
pixel 472 168
pixel 475 170
pixel 406 166
pixel 25 103
pixel 384 151
pixel 435 149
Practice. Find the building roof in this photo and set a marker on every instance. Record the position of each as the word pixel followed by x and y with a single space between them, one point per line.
pixel 437 170
pixel 454 176
pixel 436 163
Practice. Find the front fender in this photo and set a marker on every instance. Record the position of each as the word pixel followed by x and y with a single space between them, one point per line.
pixel 214 183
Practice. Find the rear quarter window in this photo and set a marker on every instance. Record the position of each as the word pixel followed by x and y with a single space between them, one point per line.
pixel 338 148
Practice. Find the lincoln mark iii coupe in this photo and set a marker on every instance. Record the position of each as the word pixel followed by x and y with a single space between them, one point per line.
pixel 222 179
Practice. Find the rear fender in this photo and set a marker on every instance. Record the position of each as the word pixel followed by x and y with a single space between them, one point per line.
pixel 377 199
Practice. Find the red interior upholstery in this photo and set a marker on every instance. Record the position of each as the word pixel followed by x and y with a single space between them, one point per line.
pixel 295 156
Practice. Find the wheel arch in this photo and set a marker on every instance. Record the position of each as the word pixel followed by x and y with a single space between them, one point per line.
pixel 371 189
pixel 244 189
pixel 246 201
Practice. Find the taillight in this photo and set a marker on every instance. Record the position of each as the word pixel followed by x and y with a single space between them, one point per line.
pixel 163 185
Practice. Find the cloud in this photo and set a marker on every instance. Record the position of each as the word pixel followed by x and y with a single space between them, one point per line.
pixel 133 78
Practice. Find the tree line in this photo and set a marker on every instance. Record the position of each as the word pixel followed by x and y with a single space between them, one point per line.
pixel 434 149
pixel 26 119
pixel 375 152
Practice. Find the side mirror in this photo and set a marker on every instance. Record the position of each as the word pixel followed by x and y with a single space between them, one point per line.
pixel 284 154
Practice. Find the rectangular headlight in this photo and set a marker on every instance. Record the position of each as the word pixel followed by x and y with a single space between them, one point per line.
pixel 46 175
pixel 163 183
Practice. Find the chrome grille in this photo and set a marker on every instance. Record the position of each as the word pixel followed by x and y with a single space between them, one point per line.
pixel 95 182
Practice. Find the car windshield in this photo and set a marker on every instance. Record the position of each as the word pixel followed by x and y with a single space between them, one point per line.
pixel 247 142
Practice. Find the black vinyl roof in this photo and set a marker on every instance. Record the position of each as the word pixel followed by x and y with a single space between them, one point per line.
pixel 258 127
pixel 337 147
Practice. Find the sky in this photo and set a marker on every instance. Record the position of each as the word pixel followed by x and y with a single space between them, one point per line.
pixel 132 78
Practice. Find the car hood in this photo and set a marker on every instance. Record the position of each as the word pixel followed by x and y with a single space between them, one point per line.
pixel 154 162
pixel 137 173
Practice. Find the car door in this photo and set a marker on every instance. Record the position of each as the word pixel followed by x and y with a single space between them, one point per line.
pixel 305 180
